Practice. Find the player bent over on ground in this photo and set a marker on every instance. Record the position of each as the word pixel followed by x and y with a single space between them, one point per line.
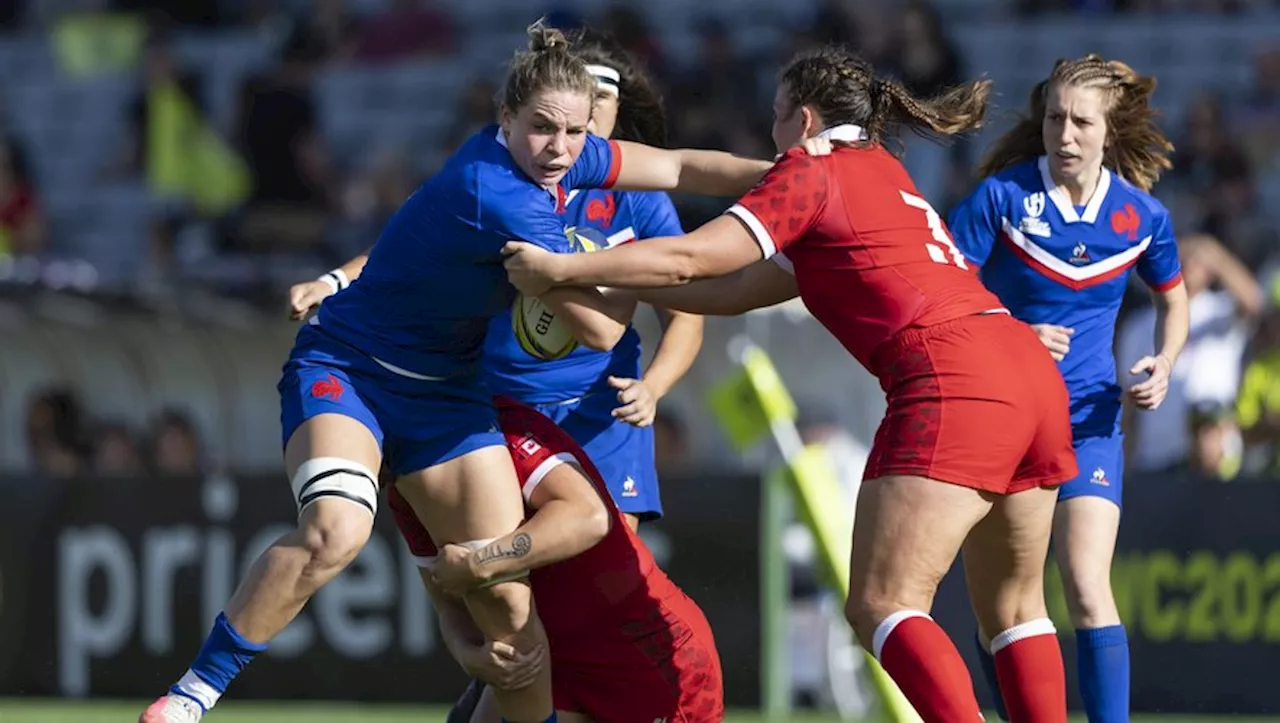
pixel 977 434
pixel 627 644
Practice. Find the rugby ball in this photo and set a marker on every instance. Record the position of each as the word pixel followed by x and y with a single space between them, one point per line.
pixel 538 331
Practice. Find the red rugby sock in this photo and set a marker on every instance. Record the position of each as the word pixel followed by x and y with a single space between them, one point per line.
pixel 928 669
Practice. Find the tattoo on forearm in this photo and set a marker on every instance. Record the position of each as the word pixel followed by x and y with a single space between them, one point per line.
pixel 520 546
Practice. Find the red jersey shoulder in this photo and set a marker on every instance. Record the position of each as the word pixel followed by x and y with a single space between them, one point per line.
pixel 531 438
pixel 788 201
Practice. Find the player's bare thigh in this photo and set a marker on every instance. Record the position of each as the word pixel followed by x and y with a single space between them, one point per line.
pixel 331 435
pixel 475 496
pixel 487 711
pixel 907 532
pixel 1004 560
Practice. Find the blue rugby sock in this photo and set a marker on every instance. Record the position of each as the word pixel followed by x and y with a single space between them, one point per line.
pixel 1102 662
pixel 552 719
pixel 224 654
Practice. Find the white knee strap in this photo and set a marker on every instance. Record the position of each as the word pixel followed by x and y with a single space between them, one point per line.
pixel 334 477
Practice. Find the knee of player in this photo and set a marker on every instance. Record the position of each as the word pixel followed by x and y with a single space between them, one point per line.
pixel 335 536
pixel 865 610
pixel 1091 606
pixel 337 500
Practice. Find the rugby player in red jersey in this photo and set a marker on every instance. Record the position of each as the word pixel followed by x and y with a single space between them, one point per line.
pixel 626 643
pixel 977 434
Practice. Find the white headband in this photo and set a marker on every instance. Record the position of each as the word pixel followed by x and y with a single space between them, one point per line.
pixel 606 78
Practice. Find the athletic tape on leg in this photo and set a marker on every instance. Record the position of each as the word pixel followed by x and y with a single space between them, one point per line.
pixel 334 477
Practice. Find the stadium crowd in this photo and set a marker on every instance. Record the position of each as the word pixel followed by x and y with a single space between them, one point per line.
pixel 168 169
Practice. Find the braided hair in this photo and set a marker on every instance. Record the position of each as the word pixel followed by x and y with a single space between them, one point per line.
pixel 844 88
pixel 1136 147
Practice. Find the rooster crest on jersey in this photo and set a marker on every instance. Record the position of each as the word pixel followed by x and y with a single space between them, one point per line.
pixel 536 327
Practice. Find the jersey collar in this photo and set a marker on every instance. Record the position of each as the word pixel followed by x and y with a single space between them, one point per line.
pixel 847 132
pixel 1065 208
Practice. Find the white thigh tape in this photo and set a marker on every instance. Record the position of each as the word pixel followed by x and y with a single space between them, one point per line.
pixel 334 477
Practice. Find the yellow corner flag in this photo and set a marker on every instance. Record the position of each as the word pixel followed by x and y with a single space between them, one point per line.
pixel 754 403
pixel 751 401
pixel 823 506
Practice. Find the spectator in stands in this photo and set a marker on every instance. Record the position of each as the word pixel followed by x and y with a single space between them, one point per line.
pixel 1208 370
pixel 1258 404
pixel 631 28
pixel 1215 441
pixel 409 29
pixel 175 445
pixel 160 70
pixel 1258 116
pixel 927 59
pixel 294 183
pixel 332 29
pixel 670 446
pixel 116 453
pixel 55 433
pixel 719 77
pixel 22 226
pixel 476 109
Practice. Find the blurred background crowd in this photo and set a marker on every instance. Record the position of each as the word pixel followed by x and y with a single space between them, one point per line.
pixel 177 164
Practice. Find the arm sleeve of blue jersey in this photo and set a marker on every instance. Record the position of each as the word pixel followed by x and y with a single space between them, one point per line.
pixel 598 165
pixel 656 216
pixel 1159 266
pixel 975 222
pixel 525 217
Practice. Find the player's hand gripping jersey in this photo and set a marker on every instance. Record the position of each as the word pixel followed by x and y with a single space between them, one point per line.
pixel 874 263
pixel 626 643
pixel 619 217
pixel 1051 262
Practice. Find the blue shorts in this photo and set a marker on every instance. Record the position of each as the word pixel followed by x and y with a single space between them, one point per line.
pixel 623 453
pixel 1101 462
pixel 417 423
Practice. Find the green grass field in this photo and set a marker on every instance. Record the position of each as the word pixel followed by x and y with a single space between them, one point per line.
pixel 20 711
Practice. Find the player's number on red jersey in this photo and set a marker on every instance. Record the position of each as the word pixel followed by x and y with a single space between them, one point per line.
pixel 938 253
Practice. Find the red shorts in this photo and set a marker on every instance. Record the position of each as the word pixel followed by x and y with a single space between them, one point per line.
pixel 977 402
pixel 664 668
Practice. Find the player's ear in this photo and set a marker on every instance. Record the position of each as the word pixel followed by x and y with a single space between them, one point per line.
pixel 811 121
pixel 505 118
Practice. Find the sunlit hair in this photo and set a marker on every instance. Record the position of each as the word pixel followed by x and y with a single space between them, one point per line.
pixel 1136 147
pixel 548 64
pixel 844 88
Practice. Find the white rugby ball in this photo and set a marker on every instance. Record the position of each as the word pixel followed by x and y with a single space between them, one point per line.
pixel 536 327
pixel 538 330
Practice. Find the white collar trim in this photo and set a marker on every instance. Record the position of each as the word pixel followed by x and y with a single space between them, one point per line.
pixel 1065 208
pixel 846 132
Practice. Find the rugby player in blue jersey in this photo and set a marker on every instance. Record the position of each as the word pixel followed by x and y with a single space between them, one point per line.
pixel 1062 215
pixel 388 370
pixel 599 397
